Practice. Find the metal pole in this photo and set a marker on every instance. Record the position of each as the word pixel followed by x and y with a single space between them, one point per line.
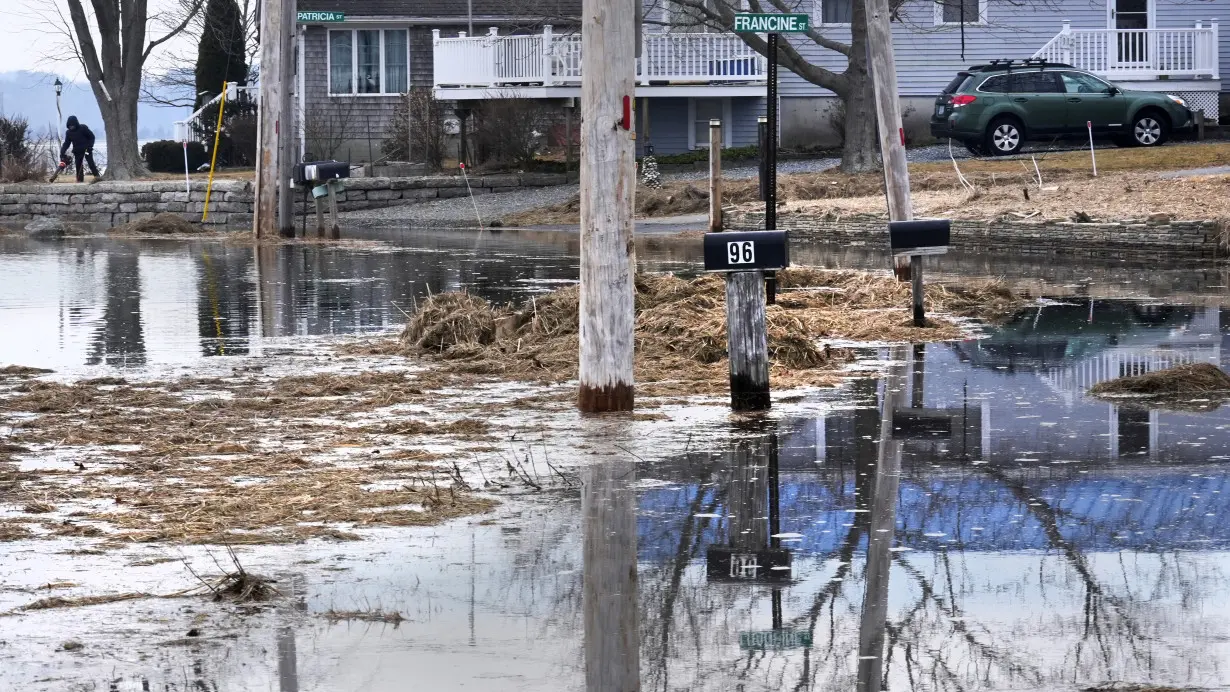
pixel 770 149
pixel 715 176
pixel 608 184
pixel 762 133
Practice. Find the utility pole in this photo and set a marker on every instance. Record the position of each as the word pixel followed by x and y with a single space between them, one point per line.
pixel 269 166
pixel 286 122
pixel 608 189
pixel 888 116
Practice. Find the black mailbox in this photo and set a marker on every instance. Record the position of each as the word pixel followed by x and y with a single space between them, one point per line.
pixel 320 171
pixel 924 237
pixel 752 250
pixel 726 564
pixel 921 423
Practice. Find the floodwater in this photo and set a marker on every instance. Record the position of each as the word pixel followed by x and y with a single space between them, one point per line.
pixel 971 513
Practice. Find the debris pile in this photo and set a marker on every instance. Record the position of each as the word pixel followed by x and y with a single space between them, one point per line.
pixel 165 223
pixel 1185 380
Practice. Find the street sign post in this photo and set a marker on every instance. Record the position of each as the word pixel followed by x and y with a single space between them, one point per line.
pixel 320 17
pixel 772 24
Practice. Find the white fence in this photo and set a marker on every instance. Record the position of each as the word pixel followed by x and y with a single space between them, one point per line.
pixel 1137 53
pixel 551 59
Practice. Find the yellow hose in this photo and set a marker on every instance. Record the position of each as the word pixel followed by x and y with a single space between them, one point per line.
pixel 213 159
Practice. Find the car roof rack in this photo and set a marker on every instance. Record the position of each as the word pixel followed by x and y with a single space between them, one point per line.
pixel 1001 64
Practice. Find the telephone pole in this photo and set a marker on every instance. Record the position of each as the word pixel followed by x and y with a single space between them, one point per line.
pixel 608 188
pixel 270 174
pixel 286 122
pixel 888 117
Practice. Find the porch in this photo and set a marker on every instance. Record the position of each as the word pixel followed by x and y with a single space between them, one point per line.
pixel 1139 55
pixel 548 65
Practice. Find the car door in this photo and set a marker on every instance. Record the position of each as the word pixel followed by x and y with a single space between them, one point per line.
pixel 1041 98
pixel 1090 100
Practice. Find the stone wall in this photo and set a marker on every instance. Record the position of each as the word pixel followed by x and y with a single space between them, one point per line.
pixel 1158 236
pixel 230 203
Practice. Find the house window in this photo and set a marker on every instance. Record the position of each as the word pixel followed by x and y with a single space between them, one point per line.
pixel 833 11
pixel 960 11
pixel 369 61
pixel 705 110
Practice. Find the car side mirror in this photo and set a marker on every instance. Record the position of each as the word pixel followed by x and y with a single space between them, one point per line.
pixel 1111 91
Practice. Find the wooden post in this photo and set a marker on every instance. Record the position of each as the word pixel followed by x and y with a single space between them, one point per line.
pixel 268 164
pixel 609 595
pixel 608 188
pixel 286 118
pixel 320 216
pixel 335 232
pixel 880 537
pixel 888 116
pixel 746 341
pixel 1199 115
pixel 715 176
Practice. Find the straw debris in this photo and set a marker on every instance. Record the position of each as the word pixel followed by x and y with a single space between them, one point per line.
pixel 393 617
pixel 681 333
pixel 1200 378
pixel 165 223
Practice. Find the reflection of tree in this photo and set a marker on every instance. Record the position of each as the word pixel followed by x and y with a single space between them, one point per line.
pixel 119 340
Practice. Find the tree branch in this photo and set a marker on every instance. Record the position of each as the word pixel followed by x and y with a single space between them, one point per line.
pixel 192 12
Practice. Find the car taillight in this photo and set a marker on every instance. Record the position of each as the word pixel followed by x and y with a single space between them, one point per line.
pixel 963 100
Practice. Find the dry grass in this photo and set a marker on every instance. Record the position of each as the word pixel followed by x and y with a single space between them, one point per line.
pixel 393 618
pixel 1200 378
pixel 680 332
pixel 160 224
pixel 1127 187
pixel 55 602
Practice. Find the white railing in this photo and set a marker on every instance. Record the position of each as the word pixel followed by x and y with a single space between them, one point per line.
pixel 551 59
pixel 192 128
pixel 1138 53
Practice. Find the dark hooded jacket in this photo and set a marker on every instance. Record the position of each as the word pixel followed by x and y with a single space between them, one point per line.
pixel 77 135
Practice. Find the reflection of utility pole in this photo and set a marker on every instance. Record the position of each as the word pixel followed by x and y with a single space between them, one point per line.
pixel 612 634
pixel 883 524
pixel 288 664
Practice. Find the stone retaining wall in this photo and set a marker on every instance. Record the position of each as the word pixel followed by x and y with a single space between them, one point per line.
pixel 1133 237
pixel 230 203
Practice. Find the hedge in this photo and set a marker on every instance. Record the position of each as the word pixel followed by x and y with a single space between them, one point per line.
pixel 167 156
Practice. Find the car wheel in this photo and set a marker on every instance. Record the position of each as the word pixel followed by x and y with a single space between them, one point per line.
pixel 1149 129
pixel 975 148
pixel 1004 137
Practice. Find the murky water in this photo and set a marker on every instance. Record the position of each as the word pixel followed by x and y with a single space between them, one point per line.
pixel 1018 535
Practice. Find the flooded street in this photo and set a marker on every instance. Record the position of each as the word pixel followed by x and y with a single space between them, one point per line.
pixel 964 507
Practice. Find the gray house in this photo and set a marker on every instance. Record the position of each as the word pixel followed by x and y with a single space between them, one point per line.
pixel 352 71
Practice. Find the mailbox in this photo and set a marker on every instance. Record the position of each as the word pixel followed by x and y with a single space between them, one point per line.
pixel 748 251
pixel 726 564
pixel 923 237
pixel 320 171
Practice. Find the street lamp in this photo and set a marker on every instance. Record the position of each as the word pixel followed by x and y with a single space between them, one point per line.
pixel 59 90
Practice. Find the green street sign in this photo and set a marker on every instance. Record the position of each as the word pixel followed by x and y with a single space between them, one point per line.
pixel 314 17
pixel 770 23
pixel 774 640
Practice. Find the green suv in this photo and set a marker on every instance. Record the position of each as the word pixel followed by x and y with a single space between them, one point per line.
pixel 994 108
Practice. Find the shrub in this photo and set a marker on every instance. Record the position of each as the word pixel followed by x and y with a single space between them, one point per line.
pixel 167 156
pixel 699 155
pixel 507 132
pixel 19 152
pixel 419 122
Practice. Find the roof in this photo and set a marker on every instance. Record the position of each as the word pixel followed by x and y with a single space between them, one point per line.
pixel 448 9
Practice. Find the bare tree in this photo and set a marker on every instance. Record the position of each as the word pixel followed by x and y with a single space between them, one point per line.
pixel 172 81
pixel 109 39
pixel 852 86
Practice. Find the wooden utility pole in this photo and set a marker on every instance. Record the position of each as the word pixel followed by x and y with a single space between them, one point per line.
pixel 888 116
pixel 608 188
pixel 286 122
pixel 715 176
pixel 269 166
pixel 609 597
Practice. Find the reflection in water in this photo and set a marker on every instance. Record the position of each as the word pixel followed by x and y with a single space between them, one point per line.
pixel 136 302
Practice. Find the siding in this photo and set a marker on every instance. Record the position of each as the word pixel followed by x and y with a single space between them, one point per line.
pixel 668 125
pixel 744 111
pixel 928 56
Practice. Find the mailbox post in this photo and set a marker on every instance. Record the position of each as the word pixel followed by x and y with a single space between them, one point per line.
pixel 914 239
pixel 745 257
pixel 325 178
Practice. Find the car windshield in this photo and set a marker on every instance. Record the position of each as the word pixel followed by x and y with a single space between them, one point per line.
pixel 957 83
pixel 1081 83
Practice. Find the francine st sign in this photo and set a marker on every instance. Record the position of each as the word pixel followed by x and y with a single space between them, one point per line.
pixel 770 23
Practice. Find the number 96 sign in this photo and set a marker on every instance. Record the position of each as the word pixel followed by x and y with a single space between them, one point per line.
pixel 764 250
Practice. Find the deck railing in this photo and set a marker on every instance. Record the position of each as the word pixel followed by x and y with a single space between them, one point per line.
pixel 1138 53
pixel 551 59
